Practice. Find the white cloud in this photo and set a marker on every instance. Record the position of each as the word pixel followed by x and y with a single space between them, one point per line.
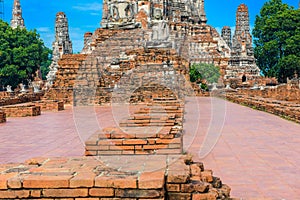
pixel 43 29
pixel 88 7
pixel 95 14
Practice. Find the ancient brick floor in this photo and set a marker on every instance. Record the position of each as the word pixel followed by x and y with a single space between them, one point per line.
pixel 257 154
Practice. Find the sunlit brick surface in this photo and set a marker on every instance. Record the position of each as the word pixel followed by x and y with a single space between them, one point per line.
pixel 257 154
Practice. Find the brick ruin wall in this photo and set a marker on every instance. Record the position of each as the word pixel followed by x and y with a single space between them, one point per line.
pixel 7 98
pixel 283 92
pixel 119 62
pixel 89 178
pixel 22 110
pixel 50 105
pixel 282 100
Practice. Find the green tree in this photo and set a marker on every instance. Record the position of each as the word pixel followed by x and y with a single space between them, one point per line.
pixel 46 63
pixel 276 39
pixel 195 75
pixel 201 71
pixel 21 54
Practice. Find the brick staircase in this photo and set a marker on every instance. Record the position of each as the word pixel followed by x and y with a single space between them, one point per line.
pixel 156 128
pixel 119 62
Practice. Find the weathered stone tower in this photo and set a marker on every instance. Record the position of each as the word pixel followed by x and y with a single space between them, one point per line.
pixel 62 44
pixel 242 62
pixel 17 19
pixel 242 39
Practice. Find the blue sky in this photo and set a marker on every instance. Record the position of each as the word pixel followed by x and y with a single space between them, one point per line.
pixel 85 15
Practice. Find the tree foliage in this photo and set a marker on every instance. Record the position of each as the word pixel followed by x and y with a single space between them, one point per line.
pixel 201 71
pixel 277 38
pixel 21 54
pixel 46 63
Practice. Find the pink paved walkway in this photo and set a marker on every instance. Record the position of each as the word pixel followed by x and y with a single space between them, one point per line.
pixel 257 153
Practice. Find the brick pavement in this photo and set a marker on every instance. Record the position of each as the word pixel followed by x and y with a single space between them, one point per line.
pixel 257 154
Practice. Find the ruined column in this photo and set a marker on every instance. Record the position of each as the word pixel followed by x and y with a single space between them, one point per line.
pixel 62 44
pixel 17 19
pixel 226 35
pixel 88 37
pixel 242 61
pixel 242 39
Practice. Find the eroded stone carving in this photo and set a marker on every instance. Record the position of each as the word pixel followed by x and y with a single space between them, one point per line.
pixel 119 14
pixel 160 34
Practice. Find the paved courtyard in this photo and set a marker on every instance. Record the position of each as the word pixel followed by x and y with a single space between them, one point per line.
pixel 255 153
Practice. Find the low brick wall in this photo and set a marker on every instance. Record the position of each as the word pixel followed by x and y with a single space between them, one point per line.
pixel 13 98
pixel 285 109
pixel 283 92
pixel 2 116
pixel 50 105
pixel 87 177
pixel 22 110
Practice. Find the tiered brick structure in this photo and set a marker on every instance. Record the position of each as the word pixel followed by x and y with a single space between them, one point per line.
pixel 62 44
pixel 242 62
pixel 153 129
pixel 17 19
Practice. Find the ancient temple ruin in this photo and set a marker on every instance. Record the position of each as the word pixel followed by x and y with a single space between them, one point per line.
pixel 17 19
pixel 151 37
pixel 242 61
pixel 62 44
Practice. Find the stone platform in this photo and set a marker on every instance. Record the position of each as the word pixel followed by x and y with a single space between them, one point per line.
pixel 127 177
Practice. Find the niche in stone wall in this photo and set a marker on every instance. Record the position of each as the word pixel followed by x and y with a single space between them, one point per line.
pixel 244 78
